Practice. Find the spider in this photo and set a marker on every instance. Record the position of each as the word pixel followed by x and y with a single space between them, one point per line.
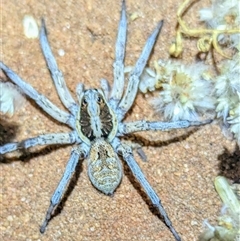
pixel 97 123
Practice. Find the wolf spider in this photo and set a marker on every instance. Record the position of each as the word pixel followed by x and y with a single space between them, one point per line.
pixel 97 123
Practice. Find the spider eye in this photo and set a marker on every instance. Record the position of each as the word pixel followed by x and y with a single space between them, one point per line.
pixel 84 102
pixel 99 100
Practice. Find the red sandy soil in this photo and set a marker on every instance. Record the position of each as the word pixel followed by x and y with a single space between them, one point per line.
pixel 181 169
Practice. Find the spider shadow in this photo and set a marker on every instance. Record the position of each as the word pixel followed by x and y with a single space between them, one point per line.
pixel 26 155
pixel 140 190
pixel 229 164
pixel 145 142
pixel 7 131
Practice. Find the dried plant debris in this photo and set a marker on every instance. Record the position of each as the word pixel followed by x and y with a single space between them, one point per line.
pixel 222 20
pixel 223 15
pixel 228 228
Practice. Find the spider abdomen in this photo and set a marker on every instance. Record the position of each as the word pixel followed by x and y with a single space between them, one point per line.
pixel 104 167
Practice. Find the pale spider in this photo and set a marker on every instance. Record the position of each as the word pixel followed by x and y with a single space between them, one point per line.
pixel 97 123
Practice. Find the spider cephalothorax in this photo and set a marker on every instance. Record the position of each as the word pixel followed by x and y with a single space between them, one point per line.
pixel 97 123
pixel 95 117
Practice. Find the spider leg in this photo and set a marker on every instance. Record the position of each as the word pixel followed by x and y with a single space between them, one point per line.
pixel 79 90
pixel 40 99
pixel 127 155
pixel 136 146
pixel 47 139
pixel 56 74
pixel 133 83
pixel 105 87
pixel 118 66
pixel 130 127
pixel 77 152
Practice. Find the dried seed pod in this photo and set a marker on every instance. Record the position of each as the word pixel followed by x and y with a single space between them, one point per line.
pixel 227 195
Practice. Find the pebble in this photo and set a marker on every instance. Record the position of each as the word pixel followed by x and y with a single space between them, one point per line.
pixel 10 218
pixel 30 27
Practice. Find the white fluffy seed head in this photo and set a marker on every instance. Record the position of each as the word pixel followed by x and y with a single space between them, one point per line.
pixel 234 121
pixel 185 91
pixel 227 87
pixel 11 98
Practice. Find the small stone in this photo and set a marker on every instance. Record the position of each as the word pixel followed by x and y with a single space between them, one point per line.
pixel 193 223
pixel 61 52
pixel 30 27
pixel 92 229
pixel 10 218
